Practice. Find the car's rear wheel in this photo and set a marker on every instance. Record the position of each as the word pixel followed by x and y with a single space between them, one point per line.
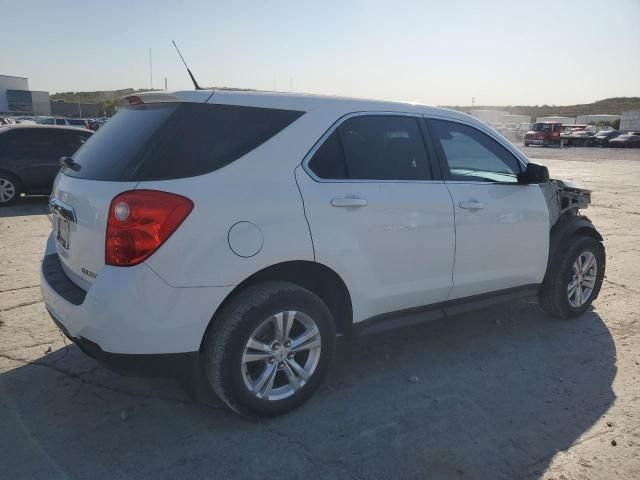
pixel 10 189
pixel 269 349
pixel 574 279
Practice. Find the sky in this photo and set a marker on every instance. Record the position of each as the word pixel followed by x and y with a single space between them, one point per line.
pixel 511 52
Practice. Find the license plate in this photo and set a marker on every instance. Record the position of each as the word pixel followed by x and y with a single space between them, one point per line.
pixel 63 232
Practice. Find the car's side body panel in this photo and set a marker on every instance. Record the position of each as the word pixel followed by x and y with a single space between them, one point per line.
pixel 502 245
pixel 394 253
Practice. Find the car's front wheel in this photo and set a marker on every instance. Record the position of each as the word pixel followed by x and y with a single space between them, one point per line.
pixel 269 348
pixel 574 278
pixel 9 189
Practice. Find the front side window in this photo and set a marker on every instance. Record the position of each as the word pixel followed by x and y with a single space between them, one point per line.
pixel 376 147
pixel 472 155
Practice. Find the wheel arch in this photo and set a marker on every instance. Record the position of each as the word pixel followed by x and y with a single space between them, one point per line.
pixel 313 276
pixel 20 184
pixel 569 225
pixel 13 174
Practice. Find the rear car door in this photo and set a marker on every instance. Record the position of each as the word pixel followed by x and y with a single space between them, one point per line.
pixel 502 227
pixel 376 214
pixel 36 156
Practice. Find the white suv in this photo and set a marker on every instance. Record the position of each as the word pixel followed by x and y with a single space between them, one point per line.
pixel 242 231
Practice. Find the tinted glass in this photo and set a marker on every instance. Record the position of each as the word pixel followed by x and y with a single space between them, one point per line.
pixel 381 147
pixel 472 155
pixel 75 140
pixel 34 143
pixel 76 122
pixel 328 161
pixel 175 140
pixel 60 121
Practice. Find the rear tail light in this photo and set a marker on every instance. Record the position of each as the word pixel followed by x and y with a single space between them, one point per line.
pixel 139 222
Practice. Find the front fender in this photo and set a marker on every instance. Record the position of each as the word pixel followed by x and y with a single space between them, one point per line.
pixel 566 226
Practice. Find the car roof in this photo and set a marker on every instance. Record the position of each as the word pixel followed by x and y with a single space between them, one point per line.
pixel 292 101
pixel 20 126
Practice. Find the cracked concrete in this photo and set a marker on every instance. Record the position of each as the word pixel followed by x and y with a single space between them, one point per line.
pixel 502 393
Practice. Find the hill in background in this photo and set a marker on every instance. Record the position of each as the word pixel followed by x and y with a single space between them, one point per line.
pixel 611 106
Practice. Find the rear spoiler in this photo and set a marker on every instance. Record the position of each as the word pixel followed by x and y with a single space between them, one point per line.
pixel 188 96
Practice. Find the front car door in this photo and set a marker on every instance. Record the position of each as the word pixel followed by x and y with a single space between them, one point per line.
pixel 502 227
pixel 376 215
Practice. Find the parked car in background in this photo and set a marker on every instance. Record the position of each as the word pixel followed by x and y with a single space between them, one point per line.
pixel 579 138
pixel 331 216
pixel 602 138
pixel 626 140
pixel 96 123
pixel 69 122
pixel 30 157
pixel 7 121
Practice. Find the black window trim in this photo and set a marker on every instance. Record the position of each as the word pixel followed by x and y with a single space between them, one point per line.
pixel 442 161
pixel 430 151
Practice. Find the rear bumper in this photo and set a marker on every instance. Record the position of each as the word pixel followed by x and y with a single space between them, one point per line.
pixel 129 310
pixel 168 364
pixel 533 142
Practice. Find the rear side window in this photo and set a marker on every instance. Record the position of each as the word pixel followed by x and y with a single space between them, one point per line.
pixel 328 161
pixel 31 143
pixel 165 141
pixel 376 147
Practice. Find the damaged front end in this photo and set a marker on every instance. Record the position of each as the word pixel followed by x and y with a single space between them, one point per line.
pixel 564 197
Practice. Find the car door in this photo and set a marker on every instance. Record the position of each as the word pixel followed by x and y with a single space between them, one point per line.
pixel 502 227
pixel 377 216
pixel 36 155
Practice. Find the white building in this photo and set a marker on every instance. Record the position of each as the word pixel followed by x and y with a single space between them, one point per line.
pixel 8 82
pixel 586 119
pixel 630 121
pixel 562 120
pixel 15 97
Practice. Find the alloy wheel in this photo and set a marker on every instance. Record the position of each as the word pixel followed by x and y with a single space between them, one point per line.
pixel 583 279
pixel 281 355
pixel 7 190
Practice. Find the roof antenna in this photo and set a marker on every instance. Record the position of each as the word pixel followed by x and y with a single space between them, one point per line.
pixel 193 79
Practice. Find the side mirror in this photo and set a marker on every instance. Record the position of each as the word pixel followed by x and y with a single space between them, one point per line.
pixel 534 174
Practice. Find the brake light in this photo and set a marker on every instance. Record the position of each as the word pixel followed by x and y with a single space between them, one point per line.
pixel 139 222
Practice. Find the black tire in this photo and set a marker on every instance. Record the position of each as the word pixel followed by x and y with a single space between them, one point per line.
pixel 231 329
pixel 526 144
pixel 553 293
pixel 9 181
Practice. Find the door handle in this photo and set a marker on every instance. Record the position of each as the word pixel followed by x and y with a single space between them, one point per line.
pixel 348 202
pixel 472 205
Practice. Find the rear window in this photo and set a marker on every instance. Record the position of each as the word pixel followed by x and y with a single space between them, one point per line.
pixel 165 141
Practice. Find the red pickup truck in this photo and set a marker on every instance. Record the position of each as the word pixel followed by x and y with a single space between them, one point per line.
pixel 544 133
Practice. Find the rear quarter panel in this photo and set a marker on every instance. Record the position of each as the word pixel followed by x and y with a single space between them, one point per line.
pixel 259 188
